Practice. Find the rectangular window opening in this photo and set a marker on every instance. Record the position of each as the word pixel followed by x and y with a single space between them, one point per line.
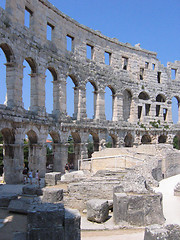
pixel 107 57
pixel 141 76
pixel 157 110
pixel 147 109
pixel 159 77
pixel 124 63
pixel 3 4
pixel 89 51
pixel 27 17
pixel 139 111
pixel 69 41
pixel 153 66
pixel 50 29
pixel 146 65
pixel 164 113
pixel 173 73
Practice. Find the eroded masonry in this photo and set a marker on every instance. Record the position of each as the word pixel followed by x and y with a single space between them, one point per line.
pixel 142 89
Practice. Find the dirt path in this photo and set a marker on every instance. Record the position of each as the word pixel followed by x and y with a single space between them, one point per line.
pixel 132 234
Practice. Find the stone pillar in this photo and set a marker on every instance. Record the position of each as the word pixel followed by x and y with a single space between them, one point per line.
pixel 169 112
pixel 63 156
pixel 95 104
pixel 41 92
pixel 100 107
pixel 117 107
pixel 81 114
pixel 62 96
pixel 133 118
pixel 14 76
pixel 57 157
pixel 84 150
pixel 77 151
pixel 34 92
pixel 76 100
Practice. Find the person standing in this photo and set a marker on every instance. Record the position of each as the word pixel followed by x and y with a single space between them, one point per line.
pixel 25 175
pixel 30 176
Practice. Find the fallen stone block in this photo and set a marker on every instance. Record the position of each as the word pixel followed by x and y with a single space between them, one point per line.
pixel 52 178
pixel 52 195
pixel 177 190
pixel 173 231
pixel 31 190
pixel 138 210
pixel 22 205
pixel 5 198
pixel 97 210
pixel 72 224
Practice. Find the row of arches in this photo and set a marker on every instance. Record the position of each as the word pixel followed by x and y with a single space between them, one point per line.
pixel 29 93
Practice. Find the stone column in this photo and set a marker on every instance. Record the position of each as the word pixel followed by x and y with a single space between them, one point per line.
pixel 95 104
pixel 76 100
pixel 81 114
pixel 34 92
pixel 62 96
pixel 57 157
pixel 117 107
pixel 100 106
pixel 56 104
pixel 41 92
pixel 63 156
pixel 14 76
pixel 134 111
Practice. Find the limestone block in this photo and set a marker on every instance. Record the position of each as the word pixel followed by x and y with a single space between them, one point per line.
pixel 46 216
pixel 97 210
pixel 177 190
pixel 52 178
pixel 52 195
pixel 156 232
pixel 139 210
pixel 31 190
pixel 72 224
pixel 22 205
pixel 5 198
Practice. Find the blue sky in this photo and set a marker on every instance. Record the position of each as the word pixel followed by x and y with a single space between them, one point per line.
pixel 155 24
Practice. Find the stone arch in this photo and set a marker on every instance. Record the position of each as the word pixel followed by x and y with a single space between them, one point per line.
pixel 160 98
pixel 76 154
pixel 114 140
pixel 32 136
pixel 8 52
pixel 162 138
pixel 32 64
pixel 175 109
pixel 128 140
pixel 91 98
pixel 127 101
pixel 143 96
pixel 146 139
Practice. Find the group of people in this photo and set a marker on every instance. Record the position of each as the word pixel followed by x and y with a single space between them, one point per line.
pixel 28 176
pixel 68 167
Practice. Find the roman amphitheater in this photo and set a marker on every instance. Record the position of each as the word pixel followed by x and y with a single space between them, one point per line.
pixel 141 128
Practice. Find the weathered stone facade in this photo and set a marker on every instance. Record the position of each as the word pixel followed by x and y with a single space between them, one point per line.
pixel 141 87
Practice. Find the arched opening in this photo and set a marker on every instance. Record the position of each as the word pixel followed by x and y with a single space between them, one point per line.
pixel 160 98
pixel 3 90
pixel 49 154
pixel 113 140
pixel 128 140
pixel 91 99
pixel 29 83
pixel 51 90
pixel 127 100
pixel 175 109
pixel 109 100
pixel 146 139
pixel 7 154
pixel 32 140
pixel 162 139
pixel 93 144
pixel 71 97
pixel 109 141
pixel 74 150
pixel 143 96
